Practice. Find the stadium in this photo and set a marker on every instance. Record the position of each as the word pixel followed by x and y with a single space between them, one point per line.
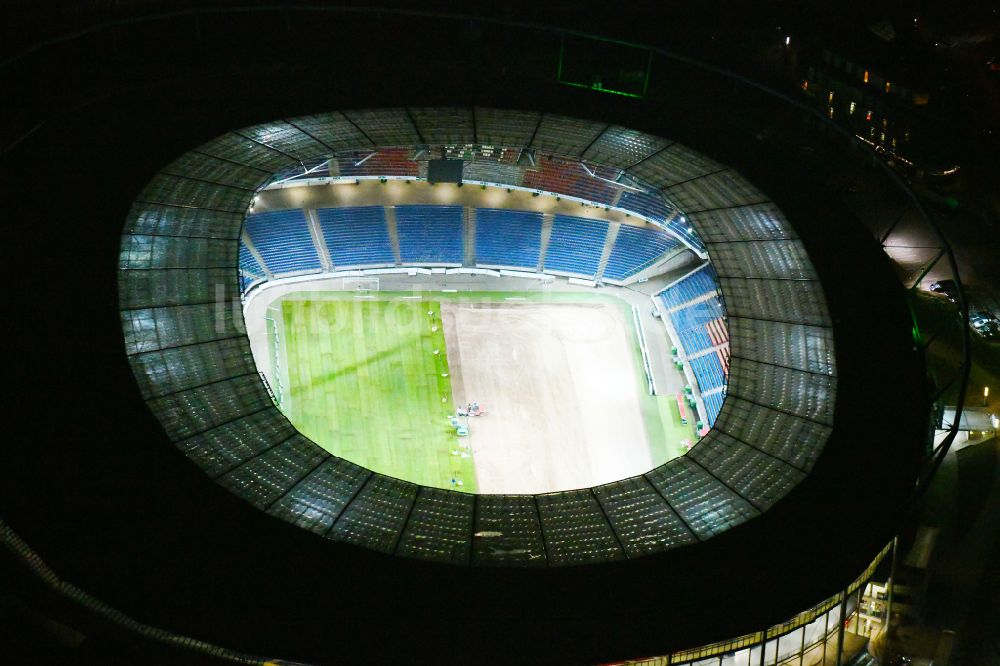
pixel 480 372
pixel 490 294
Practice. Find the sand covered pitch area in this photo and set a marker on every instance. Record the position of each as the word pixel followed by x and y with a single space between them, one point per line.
pixel 559 383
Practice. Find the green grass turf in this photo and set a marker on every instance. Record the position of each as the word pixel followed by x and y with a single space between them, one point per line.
pixel 363 383
pixel 664 430
pixel 674 432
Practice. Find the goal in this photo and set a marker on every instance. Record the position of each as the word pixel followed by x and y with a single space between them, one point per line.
pixel 362 285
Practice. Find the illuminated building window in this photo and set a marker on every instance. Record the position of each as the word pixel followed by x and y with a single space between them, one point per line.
pixel 853 106
pixel 830 97
pixel 865 77
pixel 888 86
pixel 868 116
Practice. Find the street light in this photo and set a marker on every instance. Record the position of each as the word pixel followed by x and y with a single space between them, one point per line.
pixel 986 394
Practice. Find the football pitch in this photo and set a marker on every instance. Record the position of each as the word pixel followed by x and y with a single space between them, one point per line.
pixel 358 374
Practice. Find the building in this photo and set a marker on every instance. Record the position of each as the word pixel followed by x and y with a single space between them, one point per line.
pixel 885 88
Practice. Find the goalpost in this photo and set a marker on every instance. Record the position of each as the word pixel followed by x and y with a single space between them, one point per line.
pixel 275 383
pixel 361 285
pixel 644 350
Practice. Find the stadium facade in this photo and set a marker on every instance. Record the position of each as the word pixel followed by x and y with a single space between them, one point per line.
pixel 797 489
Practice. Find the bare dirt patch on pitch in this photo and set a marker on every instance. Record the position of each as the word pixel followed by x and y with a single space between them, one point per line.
pixel 558 381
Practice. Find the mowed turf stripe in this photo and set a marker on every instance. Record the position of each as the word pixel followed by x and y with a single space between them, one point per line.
pixel 367 386
pixel 674 431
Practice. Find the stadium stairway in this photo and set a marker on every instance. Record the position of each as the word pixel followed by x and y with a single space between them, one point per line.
pixel 469 237
pixel 688 289
pixel 390 224
pixel 283 240
pixel 609 244
pixel 694 301
pixel 246 242
pixel 615 201
pixel 312 221
pixel 546 236
pixel 708 350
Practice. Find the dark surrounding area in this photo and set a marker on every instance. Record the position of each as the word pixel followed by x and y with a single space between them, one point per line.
pixel 93 484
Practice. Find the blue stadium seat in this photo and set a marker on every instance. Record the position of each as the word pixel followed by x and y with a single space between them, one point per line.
pixel 356 236
pixel 697 324
pixel 713 405
pixel 646 204
pixel 247 281
pixel 250 268
pixel 569 178
pixel 576 245
pixel 430 234
pixel 637 248
pixel 686 232
pixel 695 340
pixel 248 263
pixel 693 286
pixel 508 238
pixel 708 372
pixel 696 316
pixel 282 238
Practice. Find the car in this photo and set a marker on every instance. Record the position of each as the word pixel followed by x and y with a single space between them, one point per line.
pixel 947 288
pixel 979 319
pixel 983 322
pixel 989 330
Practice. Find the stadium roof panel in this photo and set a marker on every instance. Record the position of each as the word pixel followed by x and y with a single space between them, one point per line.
pixel 623 147
pixel 754 222
pixel 568 137
pixel 506 127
